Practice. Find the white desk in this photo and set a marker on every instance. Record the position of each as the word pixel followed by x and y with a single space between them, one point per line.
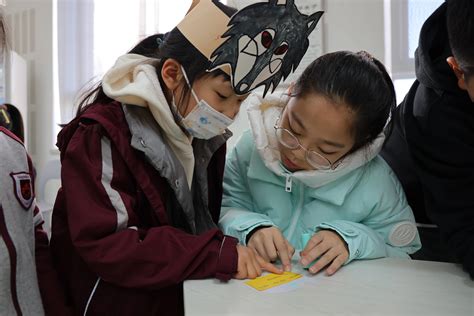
pixel 373 287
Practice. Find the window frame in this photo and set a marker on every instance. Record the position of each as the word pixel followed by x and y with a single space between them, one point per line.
pixel 401 64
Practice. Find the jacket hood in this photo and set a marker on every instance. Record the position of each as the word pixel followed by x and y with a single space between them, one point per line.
pixel 106 111
pixel 263 114
pixel 432 70
pixel 133 80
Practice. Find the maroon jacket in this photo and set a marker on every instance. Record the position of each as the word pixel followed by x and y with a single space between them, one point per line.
pixel 113 240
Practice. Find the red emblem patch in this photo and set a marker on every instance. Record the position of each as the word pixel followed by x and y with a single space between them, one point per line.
pixel 23 189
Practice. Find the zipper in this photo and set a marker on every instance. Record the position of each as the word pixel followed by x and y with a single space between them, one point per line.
pixel 288 182
pixel 297 214
pixel 91 295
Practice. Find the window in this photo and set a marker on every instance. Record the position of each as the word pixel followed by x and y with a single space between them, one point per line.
pixel 403 26
pixel 93 34
pixel 404 19
pixel 132 21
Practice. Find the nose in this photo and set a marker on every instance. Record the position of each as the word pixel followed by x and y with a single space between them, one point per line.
pixel 300 152
pixel 305 143
pixel 232 111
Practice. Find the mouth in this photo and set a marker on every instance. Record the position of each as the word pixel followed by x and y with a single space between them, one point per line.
pixel 290 165
pixel 275 65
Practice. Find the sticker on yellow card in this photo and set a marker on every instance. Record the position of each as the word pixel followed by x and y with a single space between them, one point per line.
pixel 271 280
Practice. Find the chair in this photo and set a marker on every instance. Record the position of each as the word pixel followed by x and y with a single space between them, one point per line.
pixel 45 181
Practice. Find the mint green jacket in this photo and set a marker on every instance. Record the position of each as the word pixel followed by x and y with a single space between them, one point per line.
pixel 366 207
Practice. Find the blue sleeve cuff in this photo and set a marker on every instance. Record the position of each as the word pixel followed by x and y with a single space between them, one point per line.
pixel 239 223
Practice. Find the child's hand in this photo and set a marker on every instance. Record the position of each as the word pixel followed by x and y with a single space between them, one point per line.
pixel 270 244
pixel 329 247
pixel 251 264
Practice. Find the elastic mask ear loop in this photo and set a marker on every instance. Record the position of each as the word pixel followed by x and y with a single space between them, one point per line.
pixel 173 100
pixel 174 109
pixel 189 84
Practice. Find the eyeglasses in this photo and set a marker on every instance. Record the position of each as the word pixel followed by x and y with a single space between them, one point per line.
pixel 314 159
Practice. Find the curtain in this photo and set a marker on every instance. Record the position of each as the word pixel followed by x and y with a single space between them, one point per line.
pixel 75 52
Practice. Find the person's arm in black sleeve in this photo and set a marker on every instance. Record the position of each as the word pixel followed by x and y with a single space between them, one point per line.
pixel 443 156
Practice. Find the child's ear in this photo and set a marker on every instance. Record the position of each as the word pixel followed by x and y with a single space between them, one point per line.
pixel 291 88
pixel 171 74
pixel 458 72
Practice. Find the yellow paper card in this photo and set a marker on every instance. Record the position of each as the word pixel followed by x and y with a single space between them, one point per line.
pixel 271 280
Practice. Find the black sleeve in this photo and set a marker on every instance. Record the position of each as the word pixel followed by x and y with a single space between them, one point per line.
pixel 442 148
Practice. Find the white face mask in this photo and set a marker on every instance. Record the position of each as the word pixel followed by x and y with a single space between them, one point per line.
pixel 203 122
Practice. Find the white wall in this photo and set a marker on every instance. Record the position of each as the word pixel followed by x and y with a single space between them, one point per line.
pixel 354 25
pixel 31 35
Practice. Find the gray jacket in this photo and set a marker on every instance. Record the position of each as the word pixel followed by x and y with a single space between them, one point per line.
pixel 19 293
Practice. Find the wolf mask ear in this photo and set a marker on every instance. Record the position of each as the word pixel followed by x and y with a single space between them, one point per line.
pixel 258 46
pixel 313 20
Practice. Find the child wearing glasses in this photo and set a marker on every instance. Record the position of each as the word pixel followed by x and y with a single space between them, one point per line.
pixel 309 169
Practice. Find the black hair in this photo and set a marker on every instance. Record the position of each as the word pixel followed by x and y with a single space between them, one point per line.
pixel 357 80
pixel 162 47
pixel 460 23
pixel 11 119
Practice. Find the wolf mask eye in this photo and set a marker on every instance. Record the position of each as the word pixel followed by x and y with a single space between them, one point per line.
pixel 267 39
pixel 263 41
pixel 283 48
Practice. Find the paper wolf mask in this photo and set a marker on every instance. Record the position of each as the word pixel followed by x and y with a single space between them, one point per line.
pixel 258 46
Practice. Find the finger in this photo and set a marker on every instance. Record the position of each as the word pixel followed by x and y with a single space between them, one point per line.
pixel 260 249
pixel 291 249
pixel 291 252
pixel 326 259
pixel 313 242
pixel 336 264
pixel 282 248
pixel 269 267
pixel 315 253
pixel 241 272
pixel 270 249
pixel 257 266
pixel 256 263
pixel 252 272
